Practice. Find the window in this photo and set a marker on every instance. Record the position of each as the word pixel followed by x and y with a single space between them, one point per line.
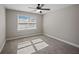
pixel 26 22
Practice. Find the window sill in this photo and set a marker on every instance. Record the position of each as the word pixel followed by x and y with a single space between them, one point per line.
pixel 26 29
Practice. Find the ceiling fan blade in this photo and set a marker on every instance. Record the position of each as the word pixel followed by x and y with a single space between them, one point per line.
pixel 45 9
pixel 31 8
pixel 42 5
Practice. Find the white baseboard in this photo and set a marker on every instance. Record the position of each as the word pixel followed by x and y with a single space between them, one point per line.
pixel 73 44
pixel 2 46
pixel 22 36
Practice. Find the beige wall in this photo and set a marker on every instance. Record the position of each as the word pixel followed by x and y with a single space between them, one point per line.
pixel 63 24
pixel 12 24
pixel 2 27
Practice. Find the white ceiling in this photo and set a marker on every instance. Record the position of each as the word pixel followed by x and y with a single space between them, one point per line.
pixel 25 7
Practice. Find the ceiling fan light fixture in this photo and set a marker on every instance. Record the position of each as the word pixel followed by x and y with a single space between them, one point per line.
pixel 38 10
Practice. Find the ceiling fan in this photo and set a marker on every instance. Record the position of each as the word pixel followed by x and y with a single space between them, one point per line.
pixel 40 8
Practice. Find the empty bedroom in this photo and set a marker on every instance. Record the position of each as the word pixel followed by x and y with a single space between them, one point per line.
pixel 39 28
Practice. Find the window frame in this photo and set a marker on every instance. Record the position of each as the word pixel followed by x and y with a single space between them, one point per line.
pixel 26 28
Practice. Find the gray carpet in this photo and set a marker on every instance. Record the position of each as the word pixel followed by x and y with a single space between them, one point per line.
pixel 38 45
